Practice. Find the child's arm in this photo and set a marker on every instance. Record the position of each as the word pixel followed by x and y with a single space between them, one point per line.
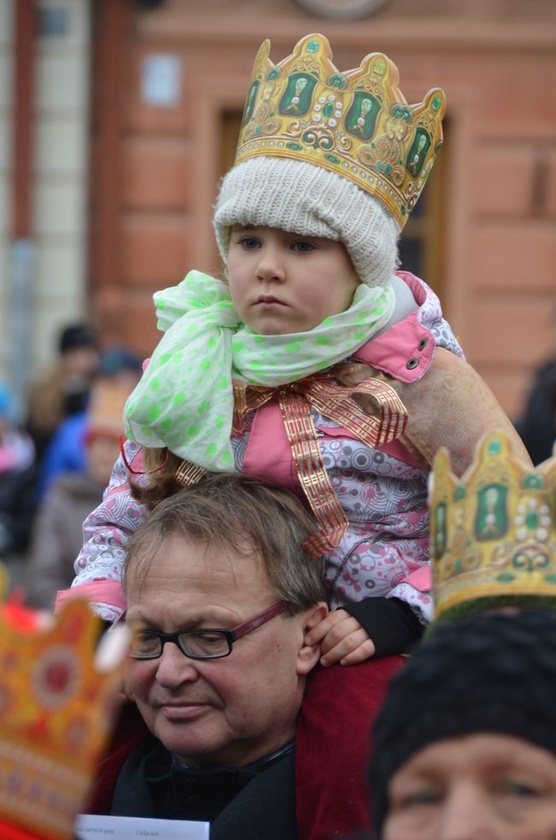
pixel 99 565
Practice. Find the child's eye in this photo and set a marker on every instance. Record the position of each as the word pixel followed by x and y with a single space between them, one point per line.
pixel 249 243
pixel 303 247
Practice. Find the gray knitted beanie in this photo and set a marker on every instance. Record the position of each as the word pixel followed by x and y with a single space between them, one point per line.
pixel 307 199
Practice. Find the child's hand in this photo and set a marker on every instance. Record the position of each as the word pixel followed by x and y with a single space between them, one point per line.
pixel 342 639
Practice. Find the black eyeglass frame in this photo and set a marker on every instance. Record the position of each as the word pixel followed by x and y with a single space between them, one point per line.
pixel 230 634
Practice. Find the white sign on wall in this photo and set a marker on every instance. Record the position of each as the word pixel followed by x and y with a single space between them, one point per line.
pixel 161 80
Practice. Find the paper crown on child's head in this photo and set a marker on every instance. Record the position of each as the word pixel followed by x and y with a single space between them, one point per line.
pixel 57 708
pixel 493 532
pixel 356 125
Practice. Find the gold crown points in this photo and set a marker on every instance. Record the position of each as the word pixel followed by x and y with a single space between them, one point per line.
pixel 357 123
pixel 493 532
pixel 55 718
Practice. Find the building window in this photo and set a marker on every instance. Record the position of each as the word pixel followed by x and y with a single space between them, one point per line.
pixel 53 20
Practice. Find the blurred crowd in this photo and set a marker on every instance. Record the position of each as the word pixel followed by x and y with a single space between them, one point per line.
pixel 56 457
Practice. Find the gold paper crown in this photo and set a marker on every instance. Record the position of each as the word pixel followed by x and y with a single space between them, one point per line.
pixel 56 713
pixel 493 532
pixel 357 124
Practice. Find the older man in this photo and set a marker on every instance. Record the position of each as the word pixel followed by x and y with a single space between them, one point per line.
pixel 465 746
pixel 220 595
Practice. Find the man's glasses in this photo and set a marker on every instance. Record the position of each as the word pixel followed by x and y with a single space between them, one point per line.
pixel 207 643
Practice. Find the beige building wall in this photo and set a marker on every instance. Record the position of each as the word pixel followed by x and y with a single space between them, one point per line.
pixel 6 46
pixel 56 292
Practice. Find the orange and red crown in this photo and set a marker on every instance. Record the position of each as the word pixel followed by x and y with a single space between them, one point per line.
pixel 57 708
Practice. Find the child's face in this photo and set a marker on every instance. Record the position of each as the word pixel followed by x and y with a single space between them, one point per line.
pixel 286 283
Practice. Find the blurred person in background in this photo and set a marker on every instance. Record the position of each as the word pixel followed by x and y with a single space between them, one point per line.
pixel 465 745
pixel 537 424
pixel 57 530
pixel 67 451
pixel 63 389
pixel 17 479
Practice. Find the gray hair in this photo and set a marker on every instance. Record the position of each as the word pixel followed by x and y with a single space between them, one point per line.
pixel 248 516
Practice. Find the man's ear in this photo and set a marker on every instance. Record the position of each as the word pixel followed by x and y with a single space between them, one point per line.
pixel 309 655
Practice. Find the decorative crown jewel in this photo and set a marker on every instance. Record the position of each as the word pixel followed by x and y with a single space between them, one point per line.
pixel 357 124
pixel 493 532
pixel 56 713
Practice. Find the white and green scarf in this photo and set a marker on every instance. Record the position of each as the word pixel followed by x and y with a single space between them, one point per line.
pixel 185 401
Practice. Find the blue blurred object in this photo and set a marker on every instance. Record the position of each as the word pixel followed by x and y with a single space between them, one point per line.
pixel 118 360
pixel 6 402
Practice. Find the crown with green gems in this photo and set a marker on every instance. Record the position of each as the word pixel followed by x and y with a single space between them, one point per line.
pixel 357 123
pixel 493 531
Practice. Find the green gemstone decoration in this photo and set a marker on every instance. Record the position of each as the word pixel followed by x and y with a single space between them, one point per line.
pixel 494 447
pixel 459 493
pixel 332 159
pixel 402 112
pixel 436 103
pixel 337 80
pixel 312 47
pixel 532 520
pixel 505 577
pixel 328 109
pixel 273 74
pixel 295 147
pixel 533 482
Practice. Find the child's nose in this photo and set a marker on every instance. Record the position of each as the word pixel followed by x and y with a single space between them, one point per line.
pixel 270 265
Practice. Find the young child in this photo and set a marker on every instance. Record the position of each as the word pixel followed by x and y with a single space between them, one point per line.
pixel 316 365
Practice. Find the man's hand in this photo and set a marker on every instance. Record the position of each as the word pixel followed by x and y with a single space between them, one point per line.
pixel 342 639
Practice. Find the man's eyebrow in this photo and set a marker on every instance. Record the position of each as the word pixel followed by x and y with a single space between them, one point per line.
pixel 191 622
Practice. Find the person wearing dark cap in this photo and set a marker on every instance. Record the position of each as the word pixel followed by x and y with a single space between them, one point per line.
pixel 465 745
pixel 63 389
pixel 67 451
pixel 74 493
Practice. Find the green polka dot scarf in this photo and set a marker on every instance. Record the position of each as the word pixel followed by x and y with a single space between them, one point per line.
pixel 184 400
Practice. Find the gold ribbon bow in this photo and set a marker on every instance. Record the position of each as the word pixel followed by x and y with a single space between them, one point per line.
pixel 326 395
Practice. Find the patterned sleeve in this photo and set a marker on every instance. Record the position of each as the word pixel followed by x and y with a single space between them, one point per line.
pixel 105 533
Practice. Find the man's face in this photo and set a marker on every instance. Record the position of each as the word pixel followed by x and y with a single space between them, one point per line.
pixel 224 711
pixel 478 786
